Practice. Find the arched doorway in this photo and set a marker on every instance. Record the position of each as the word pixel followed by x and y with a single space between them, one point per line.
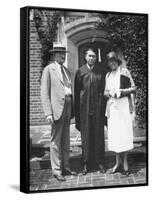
pixel 78 36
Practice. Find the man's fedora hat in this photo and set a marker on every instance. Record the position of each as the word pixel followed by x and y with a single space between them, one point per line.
pixel 58 47
pixel 113 56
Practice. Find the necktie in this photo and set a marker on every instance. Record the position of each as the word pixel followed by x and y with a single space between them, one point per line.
pixel 65 79
pixel 91 68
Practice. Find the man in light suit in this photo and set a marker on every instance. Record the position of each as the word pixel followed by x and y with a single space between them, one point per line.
pixel 56 95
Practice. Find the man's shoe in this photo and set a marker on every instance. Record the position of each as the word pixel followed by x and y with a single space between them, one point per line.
pixel 68 172
pixel 102 169
pixel 59 177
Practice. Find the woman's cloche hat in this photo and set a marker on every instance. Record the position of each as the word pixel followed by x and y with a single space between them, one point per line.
pixel 58 47
pixel 113 56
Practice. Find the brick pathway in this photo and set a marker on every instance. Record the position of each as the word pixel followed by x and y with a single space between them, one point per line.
pixel 40 174
pixel 41 179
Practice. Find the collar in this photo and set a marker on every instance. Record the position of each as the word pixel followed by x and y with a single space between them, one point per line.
pixel 90 68
pixel 57 64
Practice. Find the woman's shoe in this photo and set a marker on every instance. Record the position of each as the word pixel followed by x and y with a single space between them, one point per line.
pixel 126 172
pixel 115 170
pixel 59 177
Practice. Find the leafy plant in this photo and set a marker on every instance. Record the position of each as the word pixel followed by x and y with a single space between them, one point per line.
pixel 129 33
pixel 46 26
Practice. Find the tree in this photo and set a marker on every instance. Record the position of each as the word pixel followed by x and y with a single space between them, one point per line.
pixel 129 33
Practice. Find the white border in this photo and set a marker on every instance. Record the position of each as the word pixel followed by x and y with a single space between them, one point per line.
pixel 9 100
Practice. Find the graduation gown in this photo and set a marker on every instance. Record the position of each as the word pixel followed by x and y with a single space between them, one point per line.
pixel 90 107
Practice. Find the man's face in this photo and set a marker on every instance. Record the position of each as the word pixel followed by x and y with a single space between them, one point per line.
pixel 60 57
pixel 90 58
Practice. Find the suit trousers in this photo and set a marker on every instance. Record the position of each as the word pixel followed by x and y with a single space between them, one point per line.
pixel 60 139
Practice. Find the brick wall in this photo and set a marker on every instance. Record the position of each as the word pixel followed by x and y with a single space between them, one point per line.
pixel 36 111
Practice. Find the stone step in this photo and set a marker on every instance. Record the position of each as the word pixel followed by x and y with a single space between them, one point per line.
pixel 43 162
pixel 41 135
pixel 46 142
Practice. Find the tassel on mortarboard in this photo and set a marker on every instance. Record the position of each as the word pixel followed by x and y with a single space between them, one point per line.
pixel 99 55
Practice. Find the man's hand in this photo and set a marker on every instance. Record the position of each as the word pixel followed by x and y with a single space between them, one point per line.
pixel 50 119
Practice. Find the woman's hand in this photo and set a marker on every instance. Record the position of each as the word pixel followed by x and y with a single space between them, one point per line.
pixel 112 93
pixel 125 92
pixel 109 93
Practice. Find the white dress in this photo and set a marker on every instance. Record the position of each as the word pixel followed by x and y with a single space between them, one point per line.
pixel 120 124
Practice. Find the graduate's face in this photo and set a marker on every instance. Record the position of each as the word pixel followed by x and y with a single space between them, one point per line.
pixel 60 57
pixel 113 64
pixel 90 57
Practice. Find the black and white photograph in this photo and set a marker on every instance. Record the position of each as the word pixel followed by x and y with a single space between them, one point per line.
pixel 84 99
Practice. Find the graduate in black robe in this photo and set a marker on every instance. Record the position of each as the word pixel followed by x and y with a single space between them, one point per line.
pixel 90 111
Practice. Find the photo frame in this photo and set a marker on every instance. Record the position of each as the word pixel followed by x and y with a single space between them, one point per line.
pixel 79 30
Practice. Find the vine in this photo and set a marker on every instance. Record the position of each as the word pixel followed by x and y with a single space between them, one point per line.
pixel 46 26
pixel 129 33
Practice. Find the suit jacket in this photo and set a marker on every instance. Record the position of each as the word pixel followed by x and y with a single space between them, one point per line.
pixel 52 91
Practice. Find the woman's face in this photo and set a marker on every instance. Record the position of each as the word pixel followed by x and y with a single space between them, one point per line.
pixel 113 64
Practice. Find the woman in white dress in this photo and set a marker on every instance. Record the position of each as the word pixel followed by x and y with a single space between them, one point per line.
pixel 118 89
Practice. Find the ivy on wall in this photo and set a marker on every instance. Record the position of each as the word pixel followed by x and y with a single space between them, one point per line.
pixel 129 33
pixel 46 26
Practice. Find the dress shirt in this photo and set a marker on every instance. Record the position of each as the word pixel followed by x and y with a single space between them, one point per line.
pixel 90 67
pixel 68 90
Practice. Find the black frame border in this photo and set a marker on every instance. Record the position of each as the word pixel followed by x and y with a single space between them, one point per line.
pixel 24 100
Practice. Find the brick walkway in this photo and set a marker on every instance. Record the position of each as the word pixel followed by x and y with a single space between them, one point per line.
pixel 41 179
pixel 40 171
